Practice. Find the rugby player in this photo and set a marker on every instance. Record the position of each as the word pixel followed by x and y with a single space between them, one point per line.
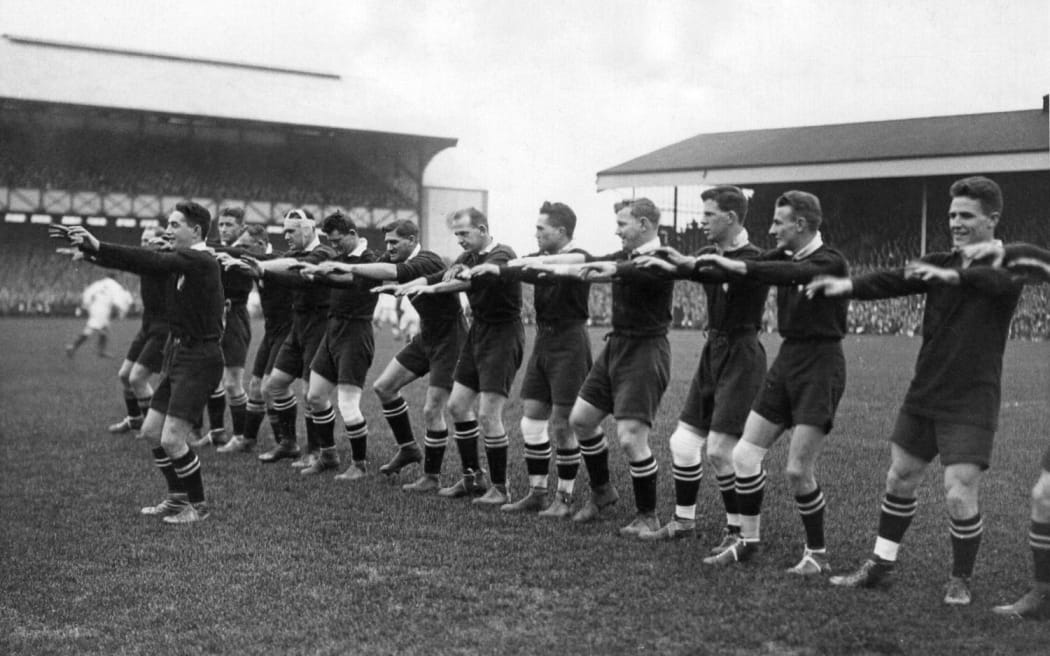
pixel 732 364
pixel 433 350
pixel 803 387
pixel 633 370
pixel 146 353
pixel 193 358
pixel 276 302
pixel 236 337
pixel 344 354
pixel 951 408
pixel 488 361
pixel 310 302
pixel 560 360
pixel 103 300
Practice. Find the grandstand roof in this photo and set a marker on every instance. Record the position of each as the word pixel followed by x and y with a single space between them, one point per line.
pixel 1002 141
pixel 47 71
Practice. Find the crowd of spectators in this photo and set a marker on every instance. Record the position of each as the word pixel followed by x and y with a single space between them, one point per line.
pixel 95 162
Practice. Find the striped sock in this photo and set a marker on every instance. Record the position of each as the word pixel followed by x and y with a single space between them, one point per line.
pixel 643 479
pixel 188 468
pixel 811 507
pixel 434 444
pixel 357 435
pixel 286 410
pixel 324 427
pixel 496 447
pixel 467 433
pixel 595 452
pixel 894 519
pixel 217 408
pixel 567 464
pixel 966 540
pixel 538 463
pixel 727 487
pixel 396 413
pixel 686 488
pixel 131 404
pixel 1039 539
pixel 143 403
pixel 749 493
pixel 311 430
pixel 238 413
pixel 254 412
pixel 163 463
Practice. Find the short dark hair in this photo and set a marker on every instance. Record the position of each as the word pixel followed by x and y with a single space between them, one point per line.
pixel 196 214
pixel 402 228
pixel 477 217
pixel 560 215
pixel 257 231
pixel 729 199
pixel 338 221
pixel 641 208
pixel 803 205
pixel 981 189
pixel 236 212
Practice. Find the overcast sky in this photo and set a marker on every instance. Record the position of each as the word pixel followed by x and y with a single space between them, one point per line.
pixel 542 95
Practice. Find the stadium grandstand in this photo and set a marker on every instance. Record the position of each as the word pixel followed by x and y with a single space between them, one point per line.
pixel 883 186
pixel 112 139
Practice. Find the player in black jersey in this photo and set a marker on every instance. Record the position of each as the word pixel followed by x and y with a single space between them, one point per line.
pixel 731 368
pixel 276 303
pixel 488 361
pixel 804 385
pixel 557 367
pixel 951 409
pixel 434 351
pixel 193 359
pixel 146 353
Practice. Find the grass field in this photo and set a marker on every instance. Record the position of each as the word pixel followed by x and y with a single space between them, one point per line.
pixel 290 565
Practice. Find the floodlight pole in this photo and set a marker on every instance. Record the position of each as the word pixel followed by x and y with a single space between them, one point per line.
pixel 922 240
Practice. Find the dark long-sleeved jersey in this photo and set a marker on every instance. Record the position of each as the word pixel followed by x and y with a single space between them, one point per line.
pixel 733 303
pixel 964 330
pixel 556 299
pixel 436 311
pixel 194 302
pixel 799 317
pixel 641 298
pixel 307 297
pixel 354 299
pixel 492 299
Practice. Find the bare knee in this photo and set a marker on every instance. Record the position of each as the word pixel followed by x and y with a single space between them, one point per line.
pixel 384 390
pixel 720 455
pixel 1041 498
pixel 799 476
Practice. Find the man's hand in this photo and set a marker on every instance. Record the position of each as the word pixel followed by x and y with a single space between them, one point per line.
pixel 524 262
pixel 307 271
pixel 249 265
pixel 674 257
pixel 389 288
pixel 714 260
pixel 983 250
pixel 328 267
pixel 76 235
pixel 830 287
pixel 917 270
pixel 421 290
pixel 652 262
pixel 592 270
pixel 486 269
pixel 74 253
pixel 453 272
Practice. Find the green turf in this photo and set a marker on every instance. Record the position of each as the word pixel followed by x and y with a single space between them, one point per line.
pixel 287 565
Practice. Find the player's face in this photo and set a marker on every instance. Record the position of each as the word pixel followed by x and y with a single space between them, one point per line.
pixel 786 229
pixel 181 232
pixel 229 229
pixel 399 248
pixel 549 238
pixel 969 223
pixel 344 242
pixel 250 244
pixel 296 238
pixel 630 229
pixel 471 238
pixel 715 222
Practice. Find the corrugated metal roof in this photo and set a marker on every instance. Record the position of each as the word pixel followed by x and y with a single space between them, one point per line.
pixel 72 74
pixel 940 136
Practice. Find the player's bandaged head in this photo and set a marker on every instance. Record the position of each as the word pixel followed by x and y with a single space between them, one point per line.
pixel 298 219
